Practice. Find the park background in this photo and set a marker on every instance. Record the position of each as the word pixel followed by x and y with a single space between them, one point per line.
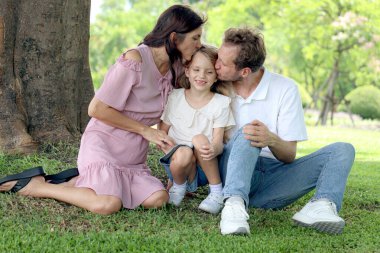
pixel 330 48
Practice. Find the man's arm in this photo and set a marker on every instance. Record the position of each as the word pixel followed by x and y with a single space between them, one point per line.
pixel 260 136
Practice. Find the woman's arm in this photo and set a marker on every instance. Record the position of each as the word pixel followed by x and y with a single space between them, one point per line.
pixel 113 117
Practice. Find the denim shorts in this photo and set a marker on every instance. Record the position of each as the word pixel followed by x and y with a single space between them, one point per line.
pixel 199 179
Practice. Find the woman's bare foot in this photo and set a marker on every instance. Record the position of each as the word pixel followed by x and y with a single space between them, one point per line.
pixel 31 188
pixel 27 190
pixel 7 186
pixel 71 182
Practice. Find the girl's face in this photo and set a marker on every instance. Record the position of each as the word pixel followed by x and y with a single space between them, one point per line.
pixel 201 72
pixel 190 43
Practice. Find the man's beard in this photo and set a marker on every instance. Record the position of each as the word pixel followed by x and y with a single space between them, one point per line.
pixel 232 79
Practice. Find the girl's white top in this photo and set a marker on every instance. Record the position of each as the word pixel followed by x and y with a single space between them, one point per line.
pixel 186 122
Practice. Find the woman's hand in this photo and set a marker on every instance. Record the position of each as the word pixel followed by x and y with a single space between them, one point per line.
pixel 158 137
pixel 167 147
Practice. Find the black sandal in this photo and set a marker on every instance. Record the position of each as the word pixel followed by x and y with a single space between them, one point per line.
pixel 63 176
pixel 23 178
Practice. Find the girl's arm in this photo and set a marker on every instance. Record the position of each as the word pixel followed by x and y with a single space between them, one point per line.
pixel 113 117
pixel 164 127
pixel 217 140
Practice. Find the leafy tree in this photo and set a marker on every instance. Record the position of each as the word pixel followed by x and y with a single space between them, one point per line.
pixel 121 25
pixel 329 47
pixel 327 42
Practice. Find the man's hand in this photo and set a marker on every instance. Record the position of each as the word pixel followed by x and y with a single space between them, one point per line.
pixel 259 135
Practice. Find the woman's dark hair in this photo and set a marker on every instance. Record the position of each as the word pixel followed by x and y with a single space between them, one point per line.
pixel 180 19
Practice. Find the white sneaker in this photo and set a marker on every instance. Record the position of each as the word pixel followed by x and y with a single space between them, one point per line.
pixel 234 217
pixel 321 215
pixel 176 195
pixel 212 204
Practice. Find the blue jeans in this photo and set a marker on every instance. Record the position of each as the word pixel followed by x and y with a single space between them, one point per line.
pixel 268 183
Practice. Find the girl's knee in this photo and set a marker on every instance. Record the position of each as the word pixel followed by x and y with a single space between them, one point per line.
pixel 106 206
pixel 156 200
pixel 199 140
pixel 182 158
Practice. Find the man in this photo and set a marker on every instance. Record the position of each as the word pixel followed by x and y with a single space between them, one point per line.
pixel 258 165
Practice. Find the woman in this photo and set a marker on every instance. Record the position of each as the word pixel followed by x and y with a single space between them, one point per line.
pixel 112 157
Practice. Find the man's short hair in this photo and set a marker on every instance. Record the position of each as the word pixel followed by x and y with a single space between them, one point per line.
pixel 252 48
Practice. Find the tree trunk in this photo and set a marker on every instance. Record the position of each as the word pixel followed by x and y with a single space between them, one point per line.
pixel 45 79
pixel 328 104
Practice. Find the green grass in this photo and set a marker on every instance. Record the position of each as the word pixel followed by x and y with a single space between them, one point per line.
pixel 44 225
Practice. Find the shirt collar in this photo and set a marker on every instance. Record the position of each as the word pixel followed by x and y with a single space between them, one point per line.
pixel 261 91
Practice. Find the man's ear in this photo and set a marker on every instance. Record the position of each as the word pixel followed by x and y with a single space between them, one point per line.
pixel 245 72
pixel 173 37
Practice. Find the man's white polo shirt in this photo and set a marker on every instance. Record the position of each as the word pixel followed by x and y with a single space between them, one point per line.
pixel 275 102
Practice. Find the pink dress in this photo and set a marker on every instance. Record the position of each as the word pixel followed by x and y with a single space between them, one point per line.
pixel 112 161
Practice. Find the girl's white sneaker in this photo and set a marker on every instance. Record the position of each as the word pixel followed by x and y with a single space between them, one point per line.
pixel 176 195
pixel 212 204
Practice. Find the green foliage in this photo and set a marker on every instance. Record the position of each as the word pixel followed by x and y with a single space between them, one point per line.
pixel 304 39
pixel 117 29
pixel 229 14
pixel 320 35
pixel 43 225
pixel 305 97
pixel 365 101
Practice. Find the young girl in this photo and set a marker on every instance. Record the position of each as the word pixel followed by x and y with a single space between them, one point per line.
pixel 196 117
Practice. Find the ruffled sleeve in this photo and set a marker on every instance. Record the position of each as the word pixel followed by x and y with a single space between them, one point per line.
pixel 224 117
pixel 118 83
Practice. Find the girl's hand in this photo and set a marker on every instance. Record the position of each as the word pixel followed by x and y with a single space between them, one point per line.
pixel 158 137
pixel 208 152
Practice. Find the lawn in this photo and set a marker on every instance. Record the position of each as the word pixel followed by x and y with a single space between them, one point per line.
pixel 31 225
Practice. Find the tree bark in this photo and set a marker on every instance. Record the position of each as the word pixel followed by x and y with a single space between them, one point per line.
pixel 328 104
pixel 45 79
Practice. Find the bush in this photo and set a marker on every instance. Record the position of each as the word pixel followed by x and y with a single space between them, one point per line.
pixel 365 101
